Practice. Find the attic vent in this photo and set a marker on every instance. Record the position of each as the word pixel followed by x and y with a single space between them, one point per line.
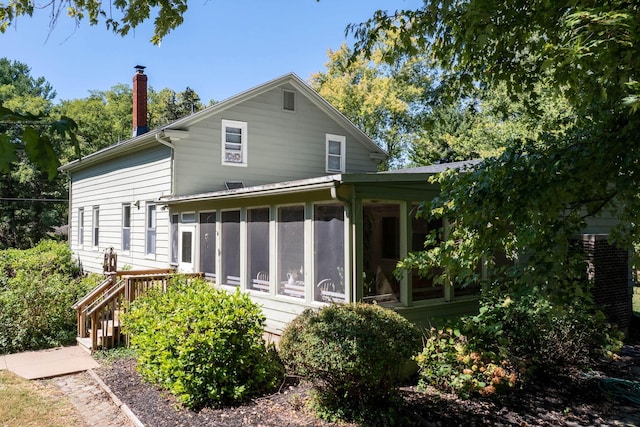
pixel 288 100
pixel 232 185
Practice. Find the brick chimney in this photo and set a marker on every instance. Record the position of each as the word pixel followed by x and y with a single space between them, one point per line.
pixel 140 101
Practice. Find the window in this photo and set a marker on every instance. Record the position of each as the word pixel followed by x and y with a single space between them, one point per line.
pixel 231 248
pixel 234 143
pixel 187 245
pixel 381 242
pixel 174 238
pixel 188 217
pixel 80 226
pixel 291 251
pixel 423 287
pixel 151 229
pixel 328 252
pixel 335 153
pixel 96 225
pixel 288 100
pixel 126 227
pixel 208 244
pixel 258 248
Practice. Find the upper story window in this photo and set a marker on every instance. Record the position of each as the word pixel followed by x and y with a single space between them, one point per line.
pixel 288 100
pixel 335 153
pixel 234 143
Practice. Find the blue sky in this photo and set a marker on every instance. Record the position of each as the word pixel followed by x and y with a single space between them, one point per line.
pixel 223 47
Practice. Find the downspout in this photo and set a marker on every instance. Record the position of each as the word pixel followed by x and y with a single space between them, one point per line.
pixel 166 141
pixel 348 206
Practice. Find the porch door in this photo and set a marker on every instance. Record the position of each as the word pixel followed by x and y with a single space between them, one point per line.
pixel 186 248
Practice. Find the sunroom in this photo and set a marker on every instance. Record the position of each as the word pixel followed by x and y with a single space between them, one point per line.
pixel 311 242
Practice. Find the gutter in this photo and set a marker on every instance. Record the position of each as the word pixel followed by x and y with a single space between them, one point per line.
pixel 166 137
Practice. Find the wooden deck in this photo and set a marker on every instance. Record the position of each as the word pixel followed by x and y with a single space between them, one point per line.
pixel 99 311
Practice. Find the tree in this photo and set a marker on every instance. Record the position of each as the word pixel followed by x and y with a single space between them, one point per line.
pixel 387 102
pixel 168 105
pixel 483 126
pixel 30 145
pixel 539 191
pixel 528 202
pixel 105 117
pixel 168 15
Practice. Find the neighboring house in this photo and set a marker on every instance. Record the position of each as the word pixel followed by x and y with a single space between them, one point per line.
pixel 272 191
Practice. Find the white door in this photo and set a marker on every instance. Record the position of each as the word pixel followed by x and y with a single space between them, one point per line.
pixel 186 248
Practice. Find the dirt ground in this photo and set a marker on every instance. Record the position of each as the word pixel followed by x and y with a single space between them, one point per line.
pixel 573 399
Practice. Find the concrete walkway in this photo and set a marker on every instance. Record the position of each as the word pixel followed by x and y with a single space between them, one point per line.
pixel 48 363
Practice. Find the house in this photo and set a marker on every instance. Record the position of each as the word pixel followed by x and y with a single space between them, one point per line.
pixel 271 191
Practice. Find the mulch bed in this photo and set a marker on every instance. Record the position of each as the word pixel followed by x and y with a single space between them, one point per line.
pixel 570 399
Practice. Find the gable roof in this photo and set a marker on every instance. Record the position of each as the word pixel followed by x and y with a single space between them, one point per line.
pixel 154 136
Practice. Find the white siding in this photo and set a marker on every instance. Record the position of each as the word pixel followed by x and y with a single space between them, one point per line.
pixel 282 146
pixel 143 178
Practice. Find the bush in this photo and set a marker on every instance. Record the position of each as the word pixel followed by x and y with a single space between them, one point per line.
pixel 202 344
pixel 354 354
pixel 37 290
pixel 448 363
pixel 512 340
pixel 546 335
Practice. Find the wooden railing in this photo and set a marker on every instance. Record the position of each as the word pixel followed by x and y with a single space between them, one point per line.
pixel 99 311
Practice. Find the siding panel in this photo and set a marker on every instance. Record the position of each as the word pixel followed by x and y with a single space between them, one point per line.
pixel 141 178
pixel 282 146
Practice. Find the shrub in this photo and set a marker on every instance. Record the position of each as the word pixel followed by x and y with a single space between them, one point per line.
pixel 37 291
pixel 448 363
pixel 353 354
pixel 202 344
pixel 512 340
pixel 547 335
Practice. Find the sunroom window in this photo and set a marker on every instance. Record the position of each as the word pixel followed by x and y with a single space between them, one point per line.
pixel 291 251
pixel 423 287
pixel 328 252
pixel 258 248
pixel 231 248
pixel 208 244
pixel 381 243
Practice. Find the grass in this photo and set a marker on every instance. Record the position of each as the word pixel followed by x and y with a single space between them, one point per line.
pixel 636 301
pixel 34 403
pixel 107 357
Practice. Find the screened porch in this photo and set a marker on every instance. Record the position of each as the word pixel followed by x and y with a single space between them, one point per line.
pixel 306 244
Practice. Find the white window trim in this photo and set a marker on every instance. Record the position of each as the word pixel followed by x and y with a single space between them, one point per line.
pixel 243 141
pixel 174 221
pixel 342 140
pixel 124 206
pixel 95 225
pixel 148 253
pixel 80 227
pixel 295 100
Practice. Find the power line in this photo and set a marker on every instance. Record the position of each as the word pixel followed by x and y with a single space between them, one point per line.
pixel 23 199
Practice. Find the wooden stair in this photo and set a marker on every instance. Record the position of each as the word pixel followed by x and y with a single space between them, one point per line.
pixel 99 311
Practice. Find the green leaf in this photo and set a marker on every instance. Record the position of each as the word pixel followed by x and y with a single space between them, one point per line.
pixel 7 153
